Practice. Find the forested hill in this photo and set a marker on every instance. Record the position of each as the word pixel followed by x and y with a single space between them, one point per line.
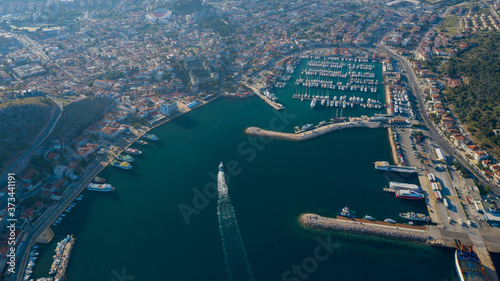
pixel 477 102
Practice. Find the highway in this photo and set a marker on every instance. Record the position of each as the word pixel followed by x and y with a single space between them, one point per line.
pixel 432 131
pixel 15 166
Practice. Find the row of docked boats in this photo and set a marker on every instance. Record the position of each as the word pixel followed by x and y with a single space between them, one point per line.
pixel 360 86
pixel 338 73
pixel 33 255
pixel 334 58
pixel 337 65
pixel 58 254
pixel 412 216
pixel 342 101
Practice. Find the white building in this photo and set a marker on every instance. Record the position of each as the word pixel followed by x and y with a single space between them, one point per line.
pixel 168 108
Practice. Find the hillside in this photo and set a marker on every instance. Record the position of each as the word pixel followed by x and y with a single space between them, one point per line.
pixel 77 116
pixel 22 121
pixel 477 102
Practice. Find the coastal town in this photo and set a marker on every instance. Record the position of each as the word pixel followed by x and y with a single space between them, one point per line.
pixel 139 64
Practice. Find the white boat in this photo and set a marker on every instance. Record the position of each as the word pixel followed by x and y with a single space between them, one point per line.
pixel 390 220
pixel 313 103
pixel 99 187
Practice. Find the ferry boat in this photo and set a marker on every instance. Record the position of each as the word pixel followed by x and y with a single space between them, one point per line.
pixel 468 264
pixel 151 137
pixel 370 218
pixel 221 167
pixel 345 212
pixel 100 187
pixel 99 180
pixel 390 220
pixel 141 142
pixel 408 194
pixel 414 216
pixel 125 158
pixel 121 165
pixel 133 151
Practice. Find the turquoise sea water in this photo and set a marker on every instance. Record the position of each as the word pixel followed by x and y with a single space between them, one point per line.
pixel 139 230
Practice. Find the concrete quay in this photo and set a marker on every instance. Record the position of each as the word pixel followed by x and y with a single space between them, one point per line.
pixel 412 233
pixel 316 132
pixel 274 104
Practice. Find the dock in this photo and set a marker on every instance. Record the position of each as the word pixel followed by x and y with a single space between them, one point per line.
pixel 316 132
pixel 384 166
pixel 272 103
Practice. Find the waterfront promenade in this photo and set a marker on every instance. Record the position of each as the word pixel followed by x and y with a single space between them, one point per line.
pixel 69 195
pixel 316 132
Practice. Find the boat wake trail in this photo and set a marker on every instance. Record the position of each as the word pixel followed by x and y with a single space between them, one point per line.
pixel 235 257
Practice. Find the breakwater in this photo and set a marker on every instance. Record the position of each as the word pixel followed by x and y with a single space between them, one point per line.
pixel 315 132
pixel 365 227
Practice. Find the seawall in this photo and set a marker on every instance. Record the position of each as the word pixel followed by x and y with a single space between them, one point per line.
pixel 365 227
pixel 316 132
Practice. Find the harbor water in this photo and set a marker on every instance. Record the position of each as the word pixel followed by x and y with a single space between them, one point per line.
pixel 161 221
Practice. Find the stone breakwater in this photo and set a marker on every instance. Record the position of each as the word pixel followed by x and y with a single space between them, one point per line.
pixel 316 132
pixel 365 227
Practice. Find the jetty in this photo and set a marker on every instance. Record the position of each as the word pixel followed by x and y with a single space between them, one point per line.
pixel 275 105
pixel 61 271
pixel 316 132
pixel 413 233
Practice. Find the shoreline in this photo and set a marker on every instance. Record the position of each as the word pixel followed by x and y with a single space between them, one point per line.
pixel 91 172
pixel 393 146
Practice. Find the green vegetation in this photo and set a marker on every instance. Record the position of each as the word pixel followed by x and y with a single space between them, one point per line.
pixel 449 25
pixel 461 170
pixel 220 26
pixel 115 75
pixel 136 121
pixel 77 116
pixel 21 121
pixel 477 102
pixel 185 7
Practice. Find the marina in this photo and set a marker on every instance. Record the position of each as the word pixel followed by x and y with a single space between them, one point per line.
pixel 265 161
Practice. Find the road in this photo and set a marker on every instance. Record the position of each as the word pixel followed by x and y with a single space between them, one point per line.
pixel 432 131
pixel 16 166
pixel 68 196
pixel 37 50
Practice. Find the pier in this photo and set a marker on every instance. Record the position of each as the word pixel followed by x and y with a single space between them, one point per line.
pixel 64 260
pixel 384 166
pixel 316 132
pixel 412 233
pixel 272 103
